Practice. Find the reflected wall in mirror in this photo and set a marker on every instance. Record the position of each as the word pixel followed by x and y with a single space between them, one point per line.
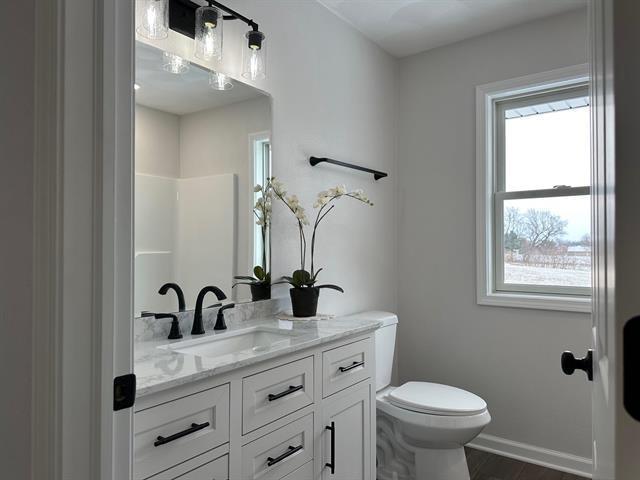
pixel 199 152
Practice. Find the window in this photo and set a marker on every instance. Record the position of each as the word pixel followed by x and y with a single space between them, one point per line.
pixel 534 147
pixel 261 166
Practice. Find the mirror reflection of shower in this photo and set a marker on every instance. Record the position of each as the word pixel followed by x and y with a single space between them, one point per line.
pixel 203 140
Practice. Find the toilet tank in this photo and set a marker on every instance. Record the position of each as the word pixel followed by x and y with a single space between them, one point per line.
pixel 385 344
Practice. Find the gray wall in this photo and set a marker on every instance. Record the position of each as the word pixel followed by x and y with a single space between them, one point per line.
pixel 508 356
pixel 157 142
pixel 216 141
pixel 16 241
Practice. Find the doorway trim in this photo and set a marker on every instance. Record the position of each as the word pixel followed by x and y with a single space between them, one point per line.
pixel 82 336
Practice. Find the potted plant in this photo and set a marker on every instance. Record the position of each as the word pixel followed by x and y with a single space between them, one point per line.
pixel 260 283
pixel 304 291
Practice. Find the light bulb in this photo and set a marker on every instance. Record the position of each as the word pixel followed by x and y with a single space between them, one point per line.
pixel 254 56
pixel 173 63
pixel 220 81
pixel 136 86
pixel 154 19
pixel 208 40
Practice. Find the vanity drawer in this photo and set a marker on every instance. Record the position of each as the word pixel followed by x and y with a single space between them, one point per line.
pixel 279 453
pixel 345 366
pixel 176 431
pixel 305 472
pixel 217 469
pixel 269 395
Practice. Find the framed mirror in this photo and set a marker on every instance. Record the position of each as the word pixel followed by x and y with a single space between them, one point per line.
pixel 202 141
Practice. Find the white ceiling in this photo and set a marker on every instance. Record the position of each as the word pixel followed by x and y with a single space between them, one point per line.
pixel 181 94
pixel 406 27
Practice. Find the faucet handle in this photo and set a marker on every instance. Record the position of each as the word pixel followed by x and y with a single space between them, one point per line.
pixel 220 323
pixel 174 333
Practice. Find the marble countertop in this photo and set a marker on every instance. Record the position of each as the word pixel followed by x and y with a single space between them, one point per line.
pixel 158 367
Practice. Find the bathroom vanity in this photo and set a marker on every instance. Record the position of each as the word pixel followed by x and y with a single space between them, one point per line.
pixel 267 399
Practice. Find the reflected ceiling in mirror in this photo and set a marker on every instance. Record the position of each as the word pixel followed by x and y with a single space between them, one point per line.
pixel 184 93
pixel 198 153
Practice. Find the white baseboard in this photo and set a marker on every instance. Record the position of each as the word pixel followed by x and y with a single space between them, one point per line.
pixel 564 462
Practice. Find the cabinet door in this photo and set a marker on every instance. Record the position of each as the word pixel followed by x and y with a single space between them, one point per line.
pixel 349 415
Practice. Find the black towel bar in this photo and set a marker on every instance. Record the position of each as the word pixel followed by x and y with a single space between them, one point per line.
pixel 376 173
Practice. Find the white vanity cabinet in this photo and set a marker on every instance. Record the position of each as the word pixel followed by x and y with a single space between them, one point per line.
pixel 304 415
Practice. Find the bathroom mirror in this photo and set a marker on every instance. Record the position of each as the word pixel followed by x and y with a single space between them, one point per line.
pixel 198 153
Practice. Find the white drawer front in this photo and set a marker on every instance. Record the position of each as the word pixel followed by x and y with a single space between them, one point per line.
pixel 269 395
pixel 279 453
pixel 176 431
pixel 217 469
pixel 345 366
pixel 305 472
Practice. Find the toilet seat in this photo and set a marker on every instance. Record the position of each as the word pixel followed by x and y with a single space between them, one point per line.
pixel 436 399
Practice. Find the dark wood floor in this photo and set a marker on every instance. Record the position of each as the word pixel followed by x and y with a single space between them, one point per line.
pixel 486 466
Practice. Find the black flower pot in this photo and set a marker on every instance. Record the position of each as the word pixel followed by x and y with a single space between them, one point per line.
pixel 304 301
pixel 260 291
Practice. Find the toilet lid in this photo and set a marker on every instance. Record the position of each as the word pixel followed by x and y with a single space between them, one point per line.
pixel 436 399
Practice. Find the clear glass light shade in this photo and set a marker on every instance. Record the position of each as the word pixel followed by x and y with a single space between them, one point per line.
pixel 153 18
pixel 208 43
pixel 220 81
pixel 174 63
pixel 254 56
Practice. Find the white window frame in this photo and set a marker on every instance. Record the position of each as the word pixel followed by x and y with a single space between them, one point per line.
pixel 487 214
pixel 259 168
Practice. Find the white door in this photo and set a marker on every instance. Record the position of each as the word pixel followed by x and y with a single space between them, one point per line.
pixel 346 445
pixel 616 230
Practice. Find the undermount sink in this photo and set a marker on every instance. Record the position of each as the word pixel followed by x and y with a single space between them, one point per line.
pixel 250 340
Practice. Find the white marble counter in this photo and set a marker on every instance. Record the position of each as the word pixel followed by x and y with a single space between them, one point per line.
pixel 159 369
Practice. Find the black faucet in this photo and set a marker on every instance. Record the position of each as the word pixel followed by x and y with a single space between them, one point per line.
pixel 176 288
pixel 174 333
pixel 220 325
pixel 198 328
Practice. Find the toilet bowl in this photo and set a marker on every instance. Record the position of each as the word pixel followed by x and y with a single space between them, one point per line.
pixel 430 442
pixel 422 427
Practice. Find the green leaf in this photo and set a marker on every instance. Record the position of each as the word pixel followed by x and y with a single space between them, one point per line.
pixel 316 274
pixel 333 287
pixel 259 272
pixel 302 277
pixel 243 277
pixel 242 283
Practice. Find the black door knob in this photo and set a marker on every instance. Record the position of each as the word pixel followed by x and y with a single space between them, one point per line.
pixel 570 364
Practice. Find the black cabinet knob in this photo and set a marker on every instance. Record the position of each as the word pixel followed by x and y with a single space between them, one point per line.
pixel 570 364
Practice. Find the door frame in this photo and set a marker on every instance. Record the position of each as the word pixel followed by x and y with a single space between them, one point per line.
pixel 82 336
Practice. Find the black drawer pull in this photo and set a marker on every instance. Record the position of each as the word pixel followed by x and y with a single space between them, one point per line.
pixel 352 366
pixel 272 461
pixel 332 464
pixel 194 428
pixel 289 391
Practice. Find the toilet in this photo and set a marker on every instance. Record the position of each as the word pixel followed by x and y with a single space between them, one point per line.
pixel 422 427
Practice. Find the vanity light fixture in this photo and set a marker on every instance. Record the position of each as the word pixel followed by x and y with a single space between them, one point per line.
pixel 154 19
pixel 173 63
pixel 220 81
pixel 204 25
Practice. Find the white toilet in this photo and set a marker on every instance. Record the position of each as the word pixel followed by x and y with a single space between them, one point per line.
pixel 421 427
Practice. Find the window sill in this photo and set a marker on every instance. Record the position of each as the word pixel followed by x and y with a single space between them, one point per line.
pixel 538 302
